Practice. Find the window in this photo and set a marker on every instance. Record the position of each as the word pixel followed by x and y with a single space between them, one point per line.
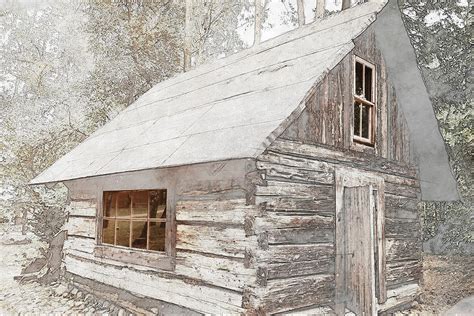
pixel 135 219
pixel 364 102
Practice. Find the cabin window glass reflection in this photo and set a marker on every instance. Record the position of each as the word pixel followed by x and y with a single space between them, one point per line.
pixel 135 219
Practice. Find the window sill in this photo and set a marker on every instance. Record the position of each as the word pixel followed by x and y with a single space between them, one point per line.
pixel 155 260
pixel 361 146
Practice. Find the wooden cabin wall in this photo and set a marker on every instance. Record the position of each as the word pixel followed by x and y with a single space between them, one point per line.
pixel 327 119
pixel 296 225
pixel 296 229
pixel 213 267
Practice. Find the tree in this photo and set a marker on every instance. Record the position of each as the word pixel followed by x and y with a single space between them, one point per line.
pixel 41 67
pixel 320 8
pixel 188 35
pixel 214 28
pixel 300 9
pixel 258 22
pixel 346 4
pixel 135 44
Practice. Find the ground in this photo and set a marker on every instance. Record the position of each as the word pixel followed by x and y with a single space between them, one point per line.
pixel 33 298
pixel 447 280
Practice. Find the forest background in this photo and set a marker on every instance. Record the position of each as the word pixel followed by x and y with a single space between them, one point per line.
pixel 68 67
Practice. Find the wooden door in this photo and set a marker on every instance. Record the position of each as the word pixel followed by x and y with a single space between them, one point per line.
pixel 360 242
pixel 358 255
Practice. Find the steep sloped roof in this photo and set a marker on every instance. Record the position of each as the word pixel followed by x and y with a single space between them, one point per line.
pixel 223 110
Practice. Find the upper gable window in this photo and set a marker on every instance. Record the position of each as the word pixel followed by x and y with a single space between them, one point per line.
pixel 135 219
pixel 364 102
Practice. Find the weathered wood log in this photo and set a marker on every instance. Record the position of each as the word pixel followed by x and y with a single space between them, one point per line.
pixel 301 268
pixel 317 204
pixel 285 173
pixel 301 235
pixel 350 158
pixel 230 242
pixel 189 293
pixel 400 207
pixel 224 212
pixel 399 273
pixel 299 190
pixel 81 226
pixel 82 208
pixel 274 221
pixel 286 294
pixel 78 243
pixel 402 228
pixel 154 260
pixel 294 253
pixel 405 249
pixel 402 190
pixel 399 296
pixel 306 163
pixel 219 271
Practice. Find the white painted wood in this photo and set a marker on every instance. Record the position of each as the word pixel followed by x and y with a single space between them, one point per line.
pixel 225 212
pixel 82 208
pixel 222 272
pixel 224 241
pixel 400 295
pixel 202 298
pixel 81 226
pixel 79 244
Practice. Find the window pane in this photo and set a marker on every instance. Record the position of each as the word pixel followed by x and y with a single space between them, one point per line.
pixel 357 119
pixel 140 204
pixel 139 234
pixel 368 83
pixel 358 79
pixel 109 204
pixel 123 206
pixel 158 204
pixel 157 236
pixel 123 233
pixel 108 229
pixel 365 121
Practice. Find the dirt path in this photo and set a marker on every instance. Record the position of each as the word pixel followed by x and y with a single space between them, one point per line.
pixel 31 298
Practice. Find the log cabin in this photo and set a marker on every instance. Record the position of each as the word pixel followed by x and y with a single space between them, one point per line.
pixel 281 179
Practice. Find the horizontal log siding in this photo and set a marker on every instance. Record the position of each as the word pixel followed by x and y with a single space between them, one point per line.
pixel 295 226
pixel 212 267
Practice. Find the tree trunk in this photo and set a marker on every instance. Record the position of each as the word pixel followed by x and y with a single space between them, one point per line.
pixel 187 35
pixel 320 8
pixel 346 4
pixel 258 22
pixel 301 17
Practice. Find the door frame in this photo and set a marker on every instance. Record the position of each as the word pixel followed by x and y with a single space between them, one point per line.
pixel 351 177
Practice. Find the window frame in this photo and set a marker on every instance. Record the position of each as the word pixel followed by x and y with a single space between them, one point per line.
pixel 148 220
pixel 162 260
pixel 371 104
